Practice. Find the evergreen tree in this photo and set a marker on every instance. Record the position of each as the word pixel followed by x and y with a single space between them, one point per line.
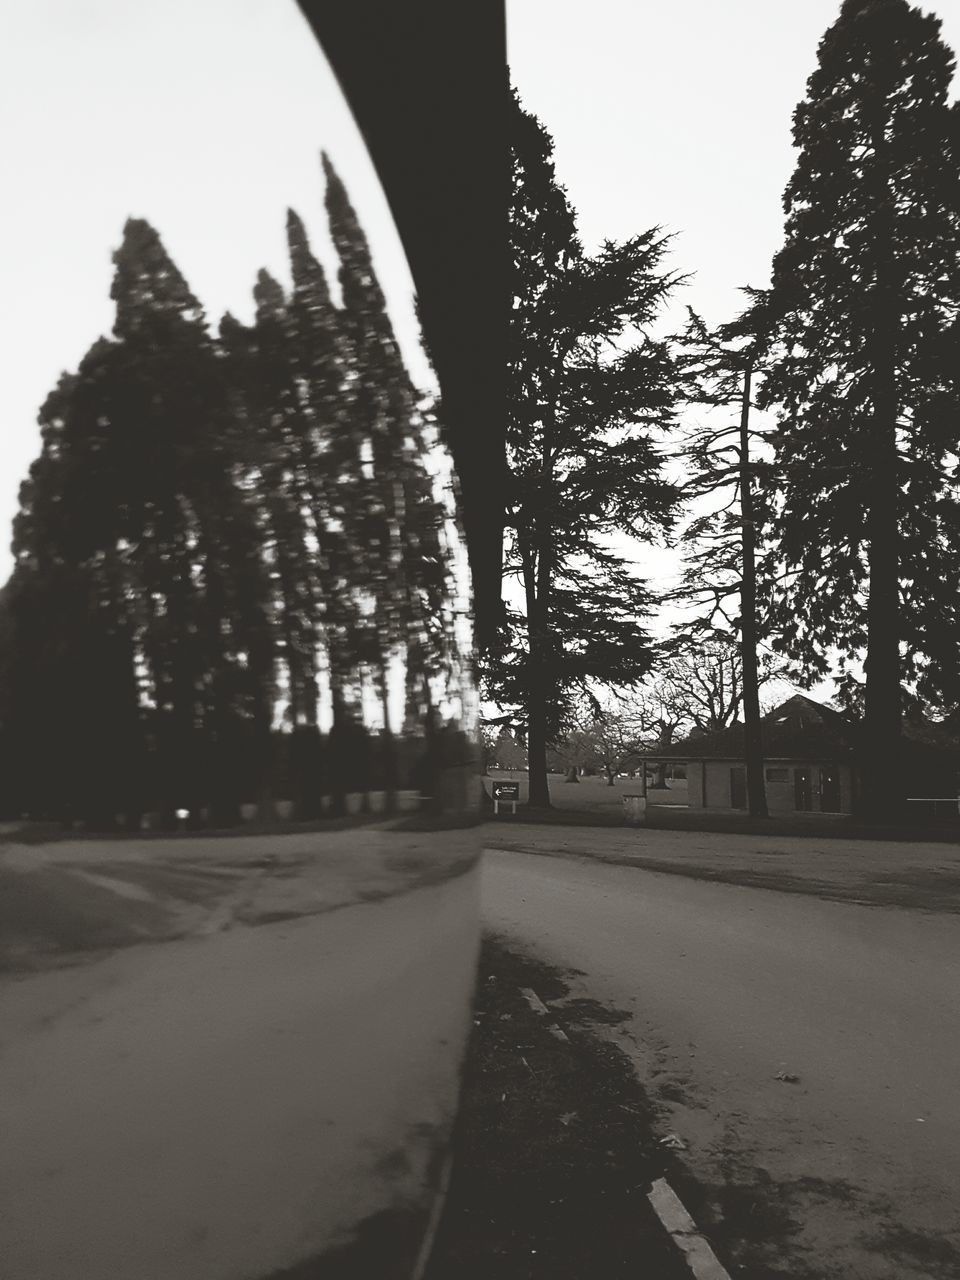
pixel 866 290
pixel 332 455
pixel 195 547
pixel 280 464
pixel 135 537
pixel 396 520
pixel 720 574
pixel 75 711
pixel 588 390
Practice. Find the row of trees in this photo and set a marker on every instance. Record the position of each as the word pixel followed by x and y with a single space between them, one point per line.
pixel 698 690
pixel 224 524
pixel 832 534
pixel 220 527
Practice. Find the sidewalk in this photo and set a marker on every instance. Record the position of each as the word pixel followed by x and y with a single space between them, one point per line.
pixel 883 873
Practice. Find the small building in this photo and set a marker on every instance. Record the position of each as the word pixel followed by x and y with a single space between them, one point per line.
pixel 809 761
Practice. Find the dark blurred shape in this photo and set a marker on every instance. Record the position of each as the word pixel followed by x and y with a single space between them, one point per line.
pixel 427 83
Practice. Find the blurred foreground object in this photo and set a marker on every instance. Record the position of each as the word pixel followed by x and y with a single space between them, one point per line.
pixel 236 1056
pixel 427 82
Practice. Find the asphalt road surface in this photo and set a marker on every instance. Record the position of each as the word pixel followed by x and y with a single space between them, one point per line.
pixel 807 1052
pixel 219 1058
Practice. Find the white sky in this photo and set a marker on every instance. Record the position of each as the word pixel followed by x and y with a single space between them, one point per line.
pixel 206 117
pixel 678 114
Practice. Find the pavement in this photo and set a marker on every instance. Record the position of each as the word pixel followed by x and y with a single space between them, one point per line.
pixel 220 1058
pixel 802 1046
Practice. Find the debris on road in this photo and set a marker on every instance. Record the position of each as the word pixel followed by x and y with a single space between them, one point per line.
pixel 554 1151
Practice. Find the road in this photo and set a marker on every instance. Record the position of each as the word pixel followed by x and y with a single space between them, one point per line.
pixel 221 1058
pixel 849 1166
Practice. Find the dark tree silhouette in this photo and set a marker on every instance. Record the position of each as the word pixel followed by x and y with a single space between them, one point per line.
pixel 588 390
pixel 866 289
pixel 398 554
pixel 726 464
pixel 215 528
pixel 134 530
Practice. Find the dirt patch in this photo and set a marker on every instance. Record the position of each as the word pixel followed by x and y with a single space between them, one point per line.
pixel 555 1149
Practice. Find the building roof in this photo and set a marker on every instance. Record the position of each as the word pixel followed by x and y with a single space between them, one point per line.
pixel 798 729
pixel 804 730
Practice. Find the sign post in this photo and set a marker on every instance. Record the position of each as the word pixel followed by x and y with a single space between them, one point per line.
pixel 505 791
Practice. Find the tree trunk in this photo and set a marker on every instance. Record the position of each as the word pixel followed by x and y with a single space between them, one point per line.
pixel 390 763
pixel 336 743
pixel 752 732
pixel 431 785
pixel 882 793
pixel 539 794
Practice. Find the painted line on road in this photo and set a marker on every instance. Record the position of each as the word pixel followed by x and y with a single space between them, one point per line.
pixel 537 1005
pixel 669 1208
pixel 534 1001
pixel 664 1201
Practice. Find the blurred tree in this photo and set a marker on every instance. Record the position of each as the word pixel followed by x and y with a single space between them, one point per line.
pixel 281 464
pixel 219 525
pixel 866 291
pixel 136 536
pixel 588 389
pixel 393 547
pixel 195 547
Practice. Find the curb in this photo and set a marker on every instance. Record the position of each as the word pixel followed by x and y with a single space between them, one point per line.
pixel 682 1229
pixel 666 1204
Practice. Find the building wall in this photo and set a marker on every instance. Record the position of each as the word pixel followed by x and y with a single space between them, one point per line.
pixel 780 792
pixel 695 784
pixel 717 790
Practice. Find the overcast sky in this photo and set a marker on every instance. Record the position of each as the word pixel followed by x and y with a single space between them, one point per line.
pixel 678 115
pixel 207 116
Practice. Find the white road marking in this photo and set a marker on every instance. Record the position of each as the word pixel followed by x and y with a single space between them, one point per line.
pixel 666 1204
pixel 669 1208
pixel 534 1001
pixel 537 1005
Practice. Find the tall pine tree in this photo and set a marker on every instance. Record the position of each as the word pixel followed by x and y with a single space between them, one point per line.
pixel 397 521
pixel 588 391
pixel 135 535
pixel 867 289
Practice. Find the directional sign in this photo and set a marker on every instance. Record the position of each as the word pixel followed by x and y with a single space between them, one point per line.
pixel 505 793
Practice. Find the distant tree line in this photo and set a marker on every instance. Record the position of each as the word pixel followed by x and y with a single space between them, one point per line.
pixel 229 556
pixel 830 533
